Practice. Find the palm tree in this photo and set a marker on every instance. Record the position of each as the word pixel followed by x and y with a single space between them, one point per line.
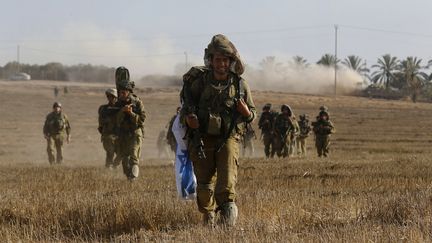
pixel 356 64
pixel 300 61
pixel 387 67
pixel 328 60
pixel 414 78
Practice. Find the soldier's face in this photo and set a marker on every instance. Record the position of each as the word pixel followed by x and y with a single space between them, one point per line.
pixel 111 99
pixel 324 117
pixel 220 64
pixel 124 95
pixel 57 109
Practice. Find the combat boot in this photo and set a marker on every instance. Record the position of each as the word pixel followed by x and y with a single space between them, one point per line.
pixel 134 171
pixel 209 219
pixel 229 213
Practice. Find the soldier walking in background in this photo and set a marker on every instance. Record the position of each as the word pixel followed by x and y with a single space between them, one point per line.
pixel 130 125
pixel 217 104
pixel 305 130
pixel 56 91
pixel 55 129
pixel 266 124
pixel 283 129
pixel 323 128
pixel 170 138
pixel 107 128
pixel 247 140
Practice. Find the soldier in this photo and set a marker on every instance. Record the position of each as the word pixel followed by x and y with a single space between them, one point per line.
pixel 322 128
pixel 294 134
pixel 247 140
pixel 162 145
pixel 217 104
pixel 266 123
pixel 130 124
pixel 304 132
pixel 55 128
pixel 170 135
pixel 107 128
pixel 284 127
pixel 56 91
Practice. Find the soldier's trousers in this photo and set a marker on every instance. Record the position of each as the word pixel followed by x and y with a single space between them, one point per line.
pixel 217 174
pixel 110 145
pixel 322 144
pixel 301 145
pixel 282 147
pixel 55 143
pixel 269 147
pixel 129 146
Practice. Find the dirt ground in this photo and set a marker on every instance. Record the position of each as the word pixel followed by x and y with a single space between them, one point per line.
pixel 375 186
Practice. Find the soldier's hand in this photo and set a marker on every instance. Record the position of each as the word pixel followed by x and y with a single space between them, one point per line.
pixel 127 109
pixel 192 121
pixel 46 136
pixel 242 108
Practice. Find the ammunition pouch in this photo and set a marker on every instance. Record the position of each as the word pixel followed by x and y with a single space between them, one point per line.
pixel 214 124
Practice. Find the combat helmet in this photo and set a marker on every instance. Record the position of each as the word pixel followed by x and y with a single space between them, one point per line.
pixel 267 106
pixel 111 91
pixel 125 85
pixel 221 44
pixel 57 104
pixel 323 108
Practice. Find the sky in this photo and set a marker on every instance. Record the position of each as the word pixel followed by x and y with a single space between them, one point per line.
pixel 154 37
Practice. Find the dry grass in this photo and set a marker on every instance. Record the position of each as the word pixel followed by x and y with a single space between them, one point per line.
pixel 376 186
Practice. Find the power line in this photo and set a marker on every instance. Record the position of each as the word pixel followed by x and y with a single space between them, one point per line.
pixel 386 31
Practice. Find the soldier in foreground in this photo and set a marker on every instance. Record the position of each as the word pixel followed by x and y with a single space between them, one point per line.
pixel 323 128
pixel 130 124
pixel 107 128
pixel 284 127
pixel 304 132
pixel 266 123
pixel 217 104
pixel 56 129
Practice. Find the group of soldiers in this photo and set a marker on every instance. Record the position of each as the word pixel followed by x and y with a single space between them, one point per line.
pixel 121 125
pixel 282 134
pixel 217 110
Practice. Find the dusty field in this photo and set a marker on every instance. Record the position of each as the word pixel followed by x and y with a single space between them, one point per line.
pixel 375 187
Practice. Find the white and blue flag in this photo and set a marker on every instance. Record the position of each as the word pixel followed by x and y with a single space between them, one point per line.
pixel 185 177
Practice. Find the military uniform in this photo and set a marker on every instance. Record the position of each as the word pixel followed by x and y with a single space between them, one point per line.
pixel 304 132
pixel 266 123
pixel 323 128
pixel 56 129
pixel 220 126
pixel 247 140
pixel 170 135
pixel 284 128
pixel 107 128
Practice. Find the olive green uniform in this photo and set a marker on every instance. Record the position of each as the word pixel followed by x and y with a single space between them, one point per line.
pixel 55 129
pixel 107 128
pixel 283 128
pixel 266 123
pixel 215 106
pixel 130 133
pixel 170 135
pixel 323 129
pixel 301 138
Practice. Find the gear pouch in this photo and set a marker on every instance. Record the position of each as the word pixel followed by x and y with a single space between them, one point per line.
pixel 214 124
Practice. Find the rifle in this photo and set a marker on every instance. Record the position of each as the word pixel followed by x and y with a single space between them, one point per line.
pixel 235 115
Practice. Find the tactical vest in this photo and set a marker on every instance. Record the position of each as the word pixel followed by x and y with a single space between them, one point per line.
pixel 56 123
pixel 127 125
pixel 107 115
pixel 283 125
pixel 214 103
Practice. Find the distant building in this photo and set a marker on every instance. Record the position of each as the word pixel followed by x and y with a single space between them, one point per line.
pixel 20 77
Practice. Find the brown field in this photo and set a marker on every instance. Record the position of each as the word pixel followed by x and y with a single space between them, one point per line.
pixel 375 187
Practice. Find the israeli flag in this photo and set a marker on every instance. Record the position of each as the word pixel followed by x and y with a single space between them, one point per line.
pixel 185 177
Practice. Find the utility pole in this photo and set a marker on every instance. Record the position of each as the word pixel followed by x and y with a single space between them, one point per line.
pixel 335 64
pixel 186 61
pixel 18 59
